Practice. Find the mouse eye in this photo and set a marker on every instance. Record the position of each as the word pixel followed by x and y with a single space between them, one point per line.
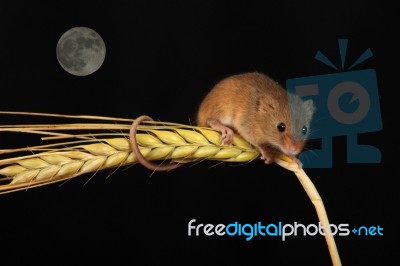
pixel 304 130
pixel 281 127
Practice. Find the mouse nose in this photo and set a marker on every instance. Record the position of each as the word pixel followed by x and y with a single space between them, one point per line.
pixel 295 148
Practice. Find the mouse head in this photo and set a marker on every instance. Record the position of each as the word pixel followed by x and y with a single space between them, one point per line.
pixel 295 129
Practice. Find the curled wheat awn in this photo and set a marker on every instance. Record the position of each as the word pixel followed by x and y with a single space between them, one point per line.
pixel 100 146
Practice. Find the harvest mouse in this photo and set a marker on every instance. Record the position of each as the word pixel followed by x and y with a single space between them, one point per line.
pixel 260 110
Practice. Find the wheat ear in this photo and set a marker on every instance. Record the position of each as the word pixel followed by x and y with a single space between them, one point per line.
pixel 156 143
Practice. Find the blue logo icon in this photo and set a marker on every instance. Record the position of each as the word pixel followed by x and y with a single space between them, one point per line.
pixel 347 104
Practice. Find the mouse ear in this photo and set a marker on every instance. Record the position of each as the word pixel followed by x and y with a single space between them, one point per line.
pixel 309 104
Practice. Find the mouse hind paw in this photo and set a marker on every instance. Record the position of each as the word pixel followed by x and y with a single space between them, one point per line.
pixel 227 133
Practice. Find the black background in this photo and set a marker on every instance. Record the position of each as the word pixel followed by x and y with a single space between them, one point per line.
pixel 162 57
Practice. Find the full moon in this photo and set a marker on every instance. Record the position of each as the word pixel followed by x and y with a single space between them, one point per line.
pixel 81 51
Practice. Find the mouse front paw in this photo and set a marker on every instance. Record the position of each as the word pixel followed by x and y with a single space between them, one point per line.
pixel 267 155
pixel 297 161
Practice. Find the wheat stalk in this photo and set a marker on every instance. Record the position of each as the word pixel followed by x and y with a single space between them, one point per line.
pixel 157 141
